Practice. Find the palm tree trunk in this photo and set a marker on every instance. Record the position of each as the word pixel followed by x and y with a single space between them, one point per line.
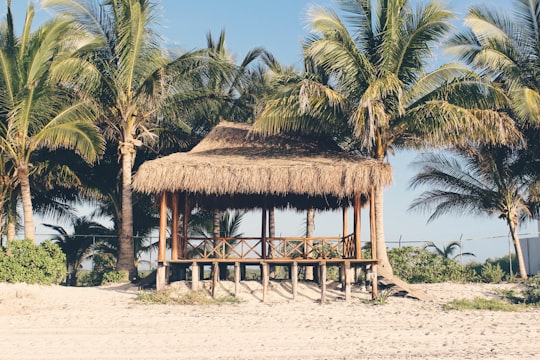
pixel 126 252
pixel 382 255
pixel 310 225
pixel 517 247
pixel 26 198
pixel 11 230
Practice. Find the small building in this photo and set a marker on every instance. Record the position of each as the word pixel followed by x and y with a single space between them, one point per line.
pixel 234 167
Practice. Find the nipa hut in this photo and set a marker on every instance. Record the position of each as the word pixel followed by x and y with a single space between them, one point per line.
pixel 235 167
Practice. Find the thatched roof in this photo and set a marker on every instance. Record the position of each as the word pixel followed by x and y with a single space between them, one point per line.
pixel 233 160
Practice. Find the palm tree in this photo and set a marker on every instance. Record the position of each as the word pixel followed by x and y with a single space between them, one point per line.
pixel 42 105
pixel 479 181
pixel 379 89
pixel 447 251
pixel 506 46
pixel 140 87
pixel 78 246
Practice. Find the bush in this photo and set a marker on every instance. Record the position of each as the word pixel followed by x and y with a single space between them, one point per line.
pixel 531 293
pixel 505 263
pixel 492 273
pixel 22 261
pixel 417 265
pixel 104 272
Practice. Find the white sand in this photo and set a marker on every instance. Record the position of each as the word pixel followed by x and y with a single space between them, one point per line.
pixel 39 322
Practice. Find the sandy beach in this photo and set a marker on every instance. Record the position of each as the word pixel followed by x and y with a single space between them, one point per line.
pixel 54 322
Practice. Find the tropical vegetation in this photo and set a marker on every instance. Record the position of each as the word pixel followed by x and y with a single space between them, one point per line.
pixel 89 95
pixel 371 78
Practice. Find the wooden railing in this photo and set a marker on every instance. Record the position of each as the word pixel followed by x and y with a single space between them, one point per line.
pixel 276 248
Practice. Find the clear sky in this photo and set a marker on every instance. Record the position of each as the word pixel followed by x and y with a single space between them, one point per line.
pixel 279 26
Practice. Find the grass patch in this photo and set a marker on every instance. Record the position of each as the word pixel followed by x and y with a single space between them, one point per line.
pixel 166 296
pixel 382 297
pixel 479 303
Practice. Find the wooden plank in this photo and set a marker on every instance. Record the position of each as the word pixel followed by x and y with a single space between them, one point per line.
pixel 236 278
pixel 294 279
pixel 323 282
pixel 195 276
pixel 392 279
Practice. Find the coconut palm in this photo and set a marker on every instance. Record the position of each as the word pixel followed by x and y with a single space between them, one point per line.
pixel 42 105
pixel 78 246
pixel 506 45
pixel 479 181
pixel 140 86
pixel 447 251
pixel 380 90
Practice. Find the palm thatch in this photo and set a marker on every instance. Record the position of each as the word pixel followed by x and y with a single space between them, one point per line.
pixel 234 162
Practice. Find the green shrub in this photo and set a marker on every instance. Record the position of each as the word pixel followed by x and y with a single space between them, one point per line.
pixel 531 293
pixel 23 261
pixel 104 272
pixel 417 265
pixel 492 273
pixel 506 263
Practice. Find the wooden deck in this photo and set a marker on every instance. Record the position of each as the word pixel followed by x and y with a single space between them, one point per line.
pixel 196 253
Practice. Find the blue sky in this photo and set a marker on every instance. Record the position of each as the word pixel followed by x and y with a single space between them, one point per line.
pixel 279 26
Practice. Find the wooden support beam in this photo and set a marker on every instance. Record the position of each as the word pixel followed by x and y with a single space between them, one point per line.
pixel 185 221
pixel 345 221
pixel 162 245
pixel 174 226
pixel 161 276
pixel 236 278
pixel 357 228
pixel 374 282
pixel 372 224
pixel 195 276
pixel 348 274
pixel 265 278
pixel 263 233
pixel 323 282
pixel 294 279
pixel 215 278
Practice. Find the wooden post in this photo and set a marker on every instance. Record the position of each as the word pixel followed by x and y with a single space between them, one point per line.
pixel 348 279
pixel 357 242
pixel 174 226
pixel 265 281
pixel 162 245
pixel 236 278
pixel 215 277
pixel 345 221
pixel 185 220
pixel 294 279
pixel 263 232
pixel 323 282
pixel 374 282
pixel 194 276
pixel 161 276
pixel 372 224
